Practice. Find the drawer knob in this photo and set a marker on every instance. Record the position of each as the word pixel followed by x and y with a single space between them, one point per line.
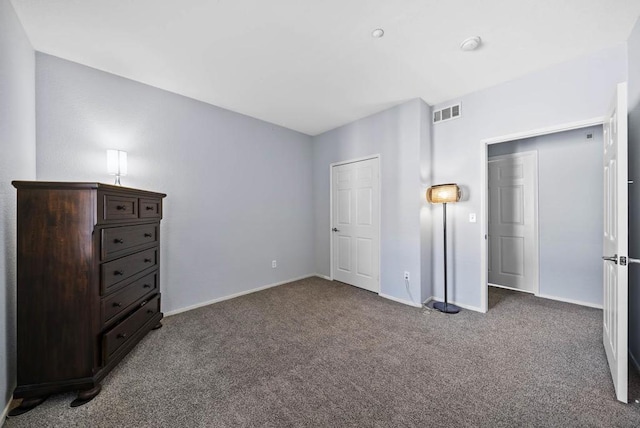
pixel 146 286
pixel 148 260
pixel 121 207
pixel 118 272
pixel 149 311
pixel 118 241
pixel 122 336
pixel 148 235
pixel 149 208
pixel 117 304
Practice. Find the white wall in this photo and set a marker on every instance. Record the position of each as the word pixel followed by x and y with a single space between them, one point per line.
pixel 397 135
pixel 569 92
pixel 570 190
pixel 426 180
pixel 18 144
pixel 239 189
pixel 634 190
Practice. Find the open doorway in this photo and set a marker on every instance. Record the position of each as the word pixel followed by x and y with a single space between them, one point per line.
pixel 544 215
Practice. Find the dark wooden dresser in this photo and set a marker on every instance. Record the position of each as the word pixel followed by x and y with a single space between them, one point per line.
pixel 88 283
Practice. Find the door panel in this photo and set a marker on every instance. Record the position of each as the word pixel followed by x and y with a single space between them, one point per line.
pixel 511 205
pixel 344 254
pixel 615 242
pixel 512 240
pixel 355 223
pixel 512 253
pixel 365 208
pixel 365 255
pixel 344 207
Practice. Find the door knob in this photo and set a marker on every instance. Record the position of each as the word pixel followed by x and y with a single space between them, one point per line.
pixel 335 229
pixel 613 258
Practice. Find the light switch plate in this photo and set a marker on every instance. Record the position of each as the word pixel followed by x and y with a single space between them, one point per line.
pixel 472 218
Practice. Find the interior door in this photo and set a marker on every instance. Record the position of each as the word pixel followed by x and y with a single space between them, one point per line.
pixel 615 277
pixel 513 229
pixel 355 223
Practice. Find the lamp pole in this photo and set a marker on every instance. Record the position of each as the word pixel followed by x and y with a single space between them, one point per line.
pixel 444 226
pixel 445 306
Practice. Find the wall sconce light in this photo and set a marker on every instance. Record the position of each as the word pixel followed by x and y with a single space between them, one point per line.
pixel 117 164
pixel 443 194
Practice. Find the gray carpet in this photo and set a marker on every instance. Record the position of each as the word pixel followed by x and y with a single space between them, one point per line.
pixel 317 353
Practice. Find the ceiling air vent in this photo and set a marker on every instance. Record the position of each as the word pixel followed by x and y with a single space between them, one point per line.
pixel 448 113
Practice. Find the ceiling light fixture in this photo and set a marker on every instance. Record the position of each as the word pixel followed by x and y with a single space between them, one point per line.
pixel 377 33
pixel 471 44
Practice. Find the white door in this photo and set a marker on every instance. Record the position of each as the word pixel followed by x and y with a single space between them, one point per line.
pixel 513 221
pixel 355 223
pixel 615 278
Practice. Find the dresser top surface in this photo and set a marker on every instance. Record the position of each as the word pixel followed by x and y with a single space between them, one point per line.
pixel 59 185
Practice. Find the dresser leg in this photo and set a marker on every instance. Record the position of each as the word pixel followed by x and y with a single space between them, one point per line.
pixel 157 326
pixel 26 405
pixel 87 395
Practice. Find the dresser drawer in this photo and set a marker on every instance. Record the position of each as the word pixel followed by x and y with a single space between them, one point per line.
pixel 118 240
pixel 126 330
pixel 121 301
pixel 118 207
pixel 150 208
pixel 113 273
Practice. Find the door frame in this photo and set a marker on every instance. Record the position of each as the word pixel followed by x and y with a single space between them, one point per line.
pixel 379 208
pixel 484 155
pixel 536 230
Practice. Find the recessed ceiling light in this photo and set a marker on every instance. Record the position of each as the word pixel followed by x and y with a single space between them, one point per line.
pixel 471 44
pixel 377 33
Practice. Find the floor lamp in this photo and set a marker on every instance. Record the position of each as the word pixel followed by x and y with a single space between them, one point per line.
pixel 444 194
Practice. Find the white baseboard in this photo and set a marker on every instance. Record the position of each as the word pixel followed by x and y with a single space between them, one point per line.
pixel 233 296
pixel 3 416
pixel 634 361
pixel 462 305
pixel 575 302
pixel 403 301
pixel 323 277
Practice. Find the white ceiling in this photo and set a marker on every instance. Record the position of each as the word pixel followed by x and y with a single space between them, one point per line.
pixel 312 65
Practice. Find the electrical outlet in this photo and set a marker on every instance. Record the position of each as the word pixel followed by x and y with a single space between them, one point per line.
pixel 472 218
pixel 406 276
pixel 274 264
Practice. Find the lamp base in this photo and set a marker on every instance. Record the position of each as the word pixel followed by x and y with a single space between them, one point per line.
pixel 447 308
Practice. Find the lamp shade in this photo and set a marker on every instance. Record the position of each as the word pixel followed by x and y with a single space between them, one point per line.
pixel 116 162
pixel 443 193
